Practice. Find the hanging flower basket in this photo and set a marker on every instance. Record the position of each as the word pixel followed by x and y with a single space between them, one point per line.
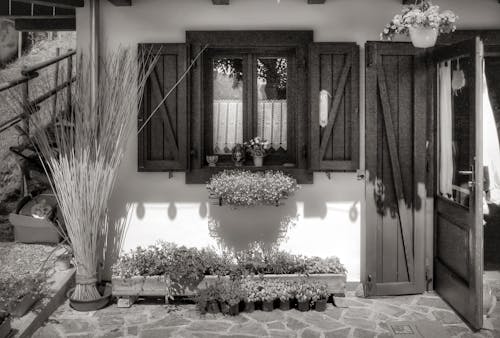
pixel 423 37
pixel 243 188
pixel 422 22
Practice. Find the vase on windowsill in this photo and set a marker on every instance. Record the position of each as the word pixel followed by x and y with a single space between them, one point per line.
pixel 258 161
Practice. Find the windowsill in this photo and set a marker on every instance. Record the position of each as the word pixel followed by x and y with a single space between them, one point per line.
pixel 203 175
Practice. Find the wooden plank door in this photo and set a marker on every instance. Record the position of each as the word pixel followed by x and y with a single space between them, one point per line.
pixel 396 91
pixel 458 223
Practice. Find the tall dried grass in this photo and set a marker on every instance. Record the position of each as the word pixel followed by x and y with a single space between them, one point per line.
pixel 83 151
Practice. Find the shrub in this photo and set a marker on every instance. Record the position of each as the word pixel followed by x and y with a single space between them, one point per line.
pixel 13 289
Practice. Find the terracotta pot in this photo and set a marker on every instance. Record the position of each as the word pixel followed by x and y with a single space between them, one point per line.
pixel 224 308
pixel 5 328
pixel 284 305
pixel 90 305
pixel 213 307
pixel 303 306
pixel 423 37
pixel 24 305
pixel 320 305
pixel 234 309
pixel 267 306
pixel 258 161
pixel 249 306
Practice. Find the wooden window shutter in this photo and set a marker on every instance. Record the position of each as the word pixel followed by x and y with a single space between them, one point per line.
pixel 163 141
pixel 334 73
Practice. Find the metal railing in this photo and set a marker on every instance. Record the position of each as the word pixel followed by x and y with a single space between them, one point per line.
pixel 29 106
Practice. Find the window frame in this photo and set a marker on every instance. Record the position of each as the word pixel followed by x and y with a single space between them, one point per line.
pixel 249 57
pixel 294 42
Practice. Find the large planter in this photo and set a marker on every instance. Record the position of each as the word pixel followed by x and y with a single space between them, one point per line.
pixel 148 286
pixel 423 37
pixel 5 328
pixel 24 305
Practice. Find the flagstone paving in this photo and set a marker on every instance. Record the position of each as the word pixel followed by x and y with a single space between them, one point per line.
pixel 354 317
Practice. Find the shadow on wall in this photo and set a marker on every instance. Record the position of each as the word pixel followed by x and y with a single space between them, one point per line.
pixel 139 197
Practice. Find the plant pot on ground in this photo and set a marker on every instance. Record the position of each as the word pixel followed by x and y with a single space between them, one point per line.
pixel 267 305
pixel 234 309
pixel 303 305
pixel 284 304
pixel 249 307
pixel 93 304
pixel 320 305
pixel 213 306
pixel 4 324
pixel 224 307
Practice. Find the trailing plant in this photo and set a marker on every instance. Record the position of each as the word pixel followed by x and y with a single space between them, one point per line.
pixel 421 14
pixel 14 288
pixel 243 188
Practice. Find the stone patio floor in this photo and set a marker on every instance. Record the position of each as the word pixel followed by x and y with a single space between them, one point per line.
pixel 359 317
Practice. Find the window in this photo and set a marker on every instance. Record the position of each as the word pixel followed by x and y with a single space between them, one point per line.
pixel 246 84
pixel 247 96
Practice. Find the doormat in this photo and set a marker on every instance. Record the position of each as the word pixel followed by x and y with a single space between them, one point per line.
pixel 417 329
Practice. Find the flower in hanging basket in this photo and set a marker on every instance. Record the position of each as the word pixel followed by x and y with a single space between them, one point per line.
pixel 420 17
pixel 246 188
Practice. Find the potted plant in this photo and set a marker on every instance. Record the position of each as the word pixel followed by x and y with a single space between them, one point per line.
pixel 258 148
pixel 243 188
pixel 18 295
pixel 285 296
pixel 235 297
pixel 422 22
pixel 224 297
pixel 4 324
pixel 304 296
pixel 250 294
pixel 269 294
pixel 320 296
pixel 213 295
pixel 202 301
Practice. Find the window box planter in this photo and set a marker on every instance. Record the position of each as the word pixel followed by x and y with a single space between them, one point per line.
pixel 147 286
pixel 5 327
pixel 23 306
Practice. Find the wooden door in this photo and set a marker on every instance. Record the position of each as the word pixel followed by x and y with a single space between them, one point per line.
pixel 396 91
pixel 458 223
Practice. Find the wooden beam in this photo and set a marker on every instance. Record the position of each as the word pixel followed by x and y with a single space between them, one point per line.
pixel 220 2
pixel 55 3
pixel 23 10
pixel 53 24
pixel 316 2
pixel 121 2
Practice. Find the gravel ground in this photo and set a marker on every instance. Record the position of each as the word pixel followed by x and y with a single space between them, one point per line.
pixel 21 259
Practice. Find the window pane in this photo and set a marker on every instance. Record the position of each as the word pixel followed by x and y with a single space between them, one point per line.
pixel 227 104
pixel 272 75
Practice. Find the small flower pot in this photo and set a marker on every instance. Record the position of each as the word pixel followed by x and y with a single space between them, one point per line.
pixel 213 307
pixel 423 37
pixel 224 308
pixel 20 309
pixel 234 309
pixel 267 306
pixel 320 305
pixel 258 161
pixel 5 328
pixel 249 307
pixel 303 306
pixel 285 305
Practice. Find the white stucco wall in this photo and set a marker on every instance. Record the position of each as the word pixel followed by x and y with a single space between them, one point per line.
pixel 330 212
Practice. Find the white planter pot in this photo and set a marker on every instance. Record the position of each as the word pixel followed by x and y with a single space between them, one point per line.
pixel 423 37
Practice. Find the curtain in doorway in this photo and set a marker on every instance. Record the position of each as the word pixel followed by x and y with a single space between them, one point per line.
pixel 445 131
pixel 491 144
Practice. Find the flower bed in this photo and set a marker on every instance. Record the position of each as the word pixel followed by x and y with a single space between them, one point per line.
pixel 18 295
pixel 169 270
pixel 4 324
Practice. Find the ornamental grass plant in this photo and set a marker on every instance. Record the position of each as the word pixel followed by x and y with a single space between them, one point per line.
pixel 84 148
